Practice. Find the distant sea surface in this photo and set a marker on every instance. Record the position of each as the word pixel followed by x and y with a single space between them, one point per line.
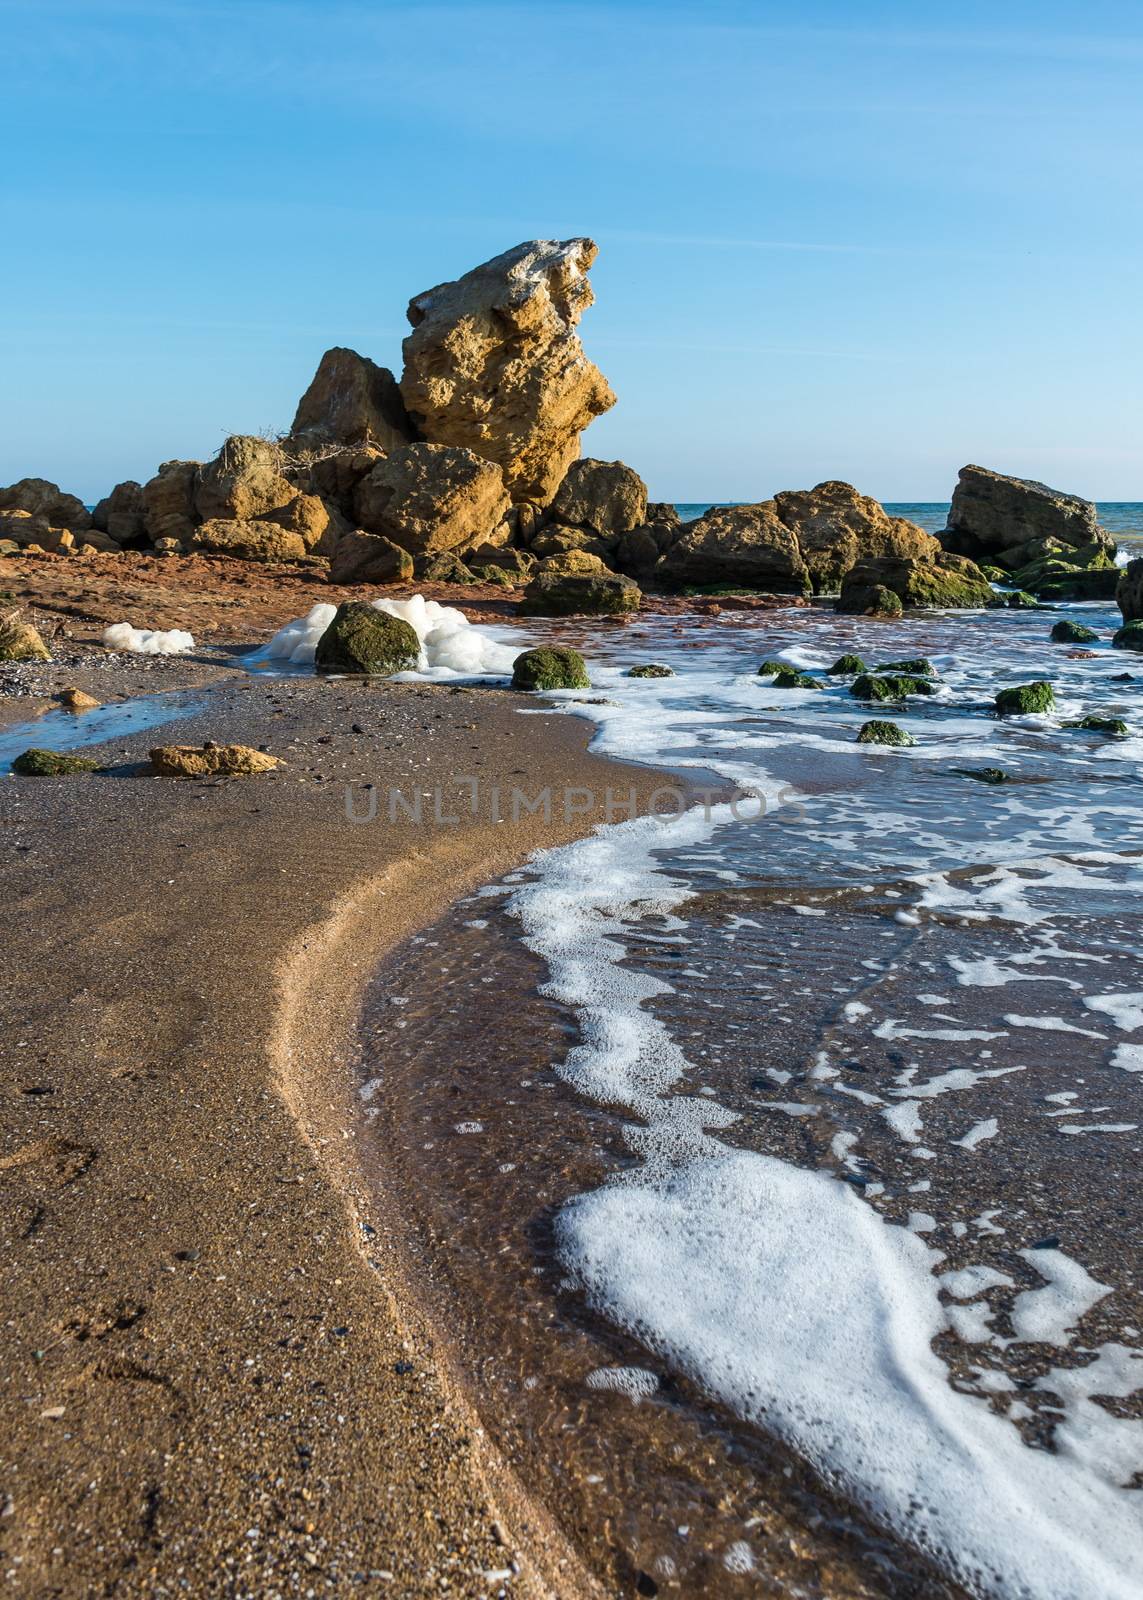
pixel 1123 518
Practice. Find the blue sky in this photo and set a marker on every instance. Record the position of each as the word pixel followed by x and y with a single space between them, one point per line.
pixel 858 240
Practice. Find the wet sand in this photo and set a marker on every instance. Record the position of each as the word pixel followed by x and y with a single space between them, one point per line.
pixel 215 1382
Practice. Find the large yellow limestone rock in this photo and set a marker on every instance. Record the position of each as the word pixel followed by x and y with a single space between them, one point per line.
pixel 494 363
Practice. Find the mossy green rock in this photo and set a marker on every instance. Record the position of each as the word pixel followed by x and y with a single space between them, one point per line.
pixel 1098 584
pixel 362 639
pixel 884 602
pixel 580 595
pixel 1130 636
pixel 845 664
pixel 1072 633
pixel 550 668
pixel 917 667
pixel 983 774
pixel 651 670
pixel 1026 699
pixel 790 678
pixel 994 574
pixel 883 733
pixel 769 668
pixel 894 687
pixel 51 764
pixel 1115 727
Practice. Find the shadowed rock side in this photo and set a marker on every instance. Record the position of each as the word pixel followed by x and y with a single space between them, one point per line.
pixel 494 363
pixel 351 401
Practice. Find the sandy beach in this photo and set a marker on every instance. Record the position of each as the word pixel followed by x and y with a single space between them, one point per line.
pixel 213 1376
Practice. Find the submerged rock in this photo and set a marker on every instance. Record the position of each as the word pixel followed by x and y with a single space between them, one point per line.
pixel 351 401
pixel 555 594
pixel 20 641
pixel 846 664
pixel 36 763
pixel 791 678
pixel 983 774
pixel 1114 726
pixel 550 668
pixel 431 497
pixel 1018 600
pixel 894 687
pixel 876 732
pixel 1026 699
pixel 494 363
pixel 918 666
pixel 769 668
pixel 1072 633
pixel 651 669
pixel 362 639
pixel 211 760
pixel 1130 636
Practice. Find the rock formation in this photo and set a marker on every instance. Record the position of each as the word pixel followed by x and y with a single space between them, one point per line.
pixel 243 482
pixel 48 501
pixel 369 558
pixel 432 497
pixel 351 401
pixel 168 501
pixel 1042 539
pixel 1129 591
pixel 944 582
pixel 799 541
pixel 574 594
pixel 494 363
pixel 606 497
pixel 121 514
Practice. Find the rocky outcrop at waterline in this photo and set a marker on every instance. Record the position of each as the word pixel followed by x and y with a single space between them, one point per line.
pixel 1041 539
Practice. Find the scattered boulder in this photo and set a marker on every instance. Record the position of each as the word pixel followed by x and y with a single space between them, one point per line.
pixel 494 364
pixel 243 483
pixel 211 760
pixel 309 517
pixel 121 515
pixel 1129 590
pixel 1026 699
pixel 556 594
pixel 651 669
pixel 362 639
pixel 252 541
pixel 1130 636
pixel 369 558
pixel 845 664
pixel 893 687
pixel 47 500
pixel 550 668
pixel 431 497
pixel 637 553
pixel 25 528
pixel 997 516
pixel 351 401
pixel 606 497
pixel 945 582
pixel 168 502
pixel 518 563
pixel 77 700
pixel 791 678
pixel 36 763
pixel 20 641
pixel 446 567
pixel 1072 633
pixel 876 732
pixel 918 666
pixel 579 562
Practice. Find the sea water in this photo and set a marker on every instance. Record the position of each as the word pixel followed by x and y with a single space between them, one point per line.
pixel 781 1157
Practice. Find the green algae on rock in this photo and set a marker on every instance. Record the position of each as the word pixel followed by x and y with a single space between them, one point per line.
pixel 889 733
pixel 844 664
pixel 553 594
pixel 1114 726
pixel 769 668
pixel 362 639
pixel 652 669
pixel 1072 633
pixel 894 687
pixel 791 678
pixel 1026 699
pixel 983 774
pixel 1130 636
pixel 36 763
pixel 550 668
pixel 917 667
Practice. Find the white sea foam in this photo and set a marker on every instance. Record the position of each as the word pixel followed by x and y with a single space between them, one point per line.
pixel 987 1128
pixel 147 641
pixel 451 646
pixel 1047 1315
pixel 1125 1010
pixel 788 1296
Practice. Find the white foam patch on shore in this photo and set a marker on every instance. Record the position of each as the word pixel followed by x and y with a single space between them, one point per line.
pixel 1047 1315
pixel 790 1298
pixel 1125 1010
pixel 147 641
pixel 451 646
